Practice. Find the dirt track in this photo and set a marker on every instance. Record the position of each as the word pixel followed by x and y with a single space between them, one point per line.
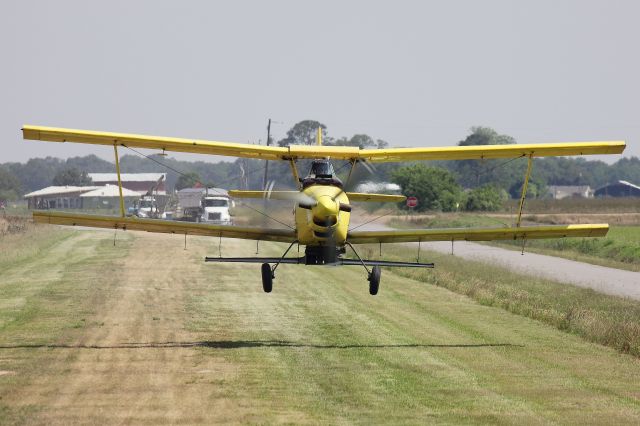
pixel 148 333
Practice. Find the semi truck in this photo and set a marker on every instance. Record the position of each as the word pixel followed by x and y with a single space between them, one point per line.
pixel 208 205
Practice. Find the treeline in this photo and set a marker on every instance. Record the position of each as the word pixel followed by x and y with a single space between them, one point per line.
pixel 506 176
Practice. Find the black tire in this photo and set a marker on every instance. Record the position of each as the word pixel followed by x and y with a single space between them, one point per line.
pixel 267 278
pixel 374 280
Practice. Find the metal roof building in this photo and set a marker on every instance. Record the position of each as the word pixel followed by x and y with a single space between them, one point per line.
pixel 139 182
pixel 621 188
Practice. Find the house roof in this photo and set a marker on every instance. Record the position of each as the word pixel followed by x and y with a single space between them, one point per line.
pixel 54 190
pixel 569 188
pixel 110 191
pixel 127 177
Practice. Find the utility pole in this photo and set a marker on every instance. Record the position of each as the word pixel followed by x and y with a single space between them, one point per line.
pixel 266 167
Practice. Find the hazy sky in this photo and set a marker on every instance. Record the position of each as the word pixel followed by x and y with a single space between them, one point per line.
pixel 412 73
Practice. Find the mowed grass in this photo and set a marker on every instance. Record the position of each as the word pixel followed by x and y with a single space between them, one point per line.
pixel 319 349
pixel 50 282
pixel 600 318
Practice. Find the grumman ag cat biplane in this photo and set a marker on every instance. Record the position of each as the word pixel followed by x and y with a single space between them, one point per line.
pixel 323 209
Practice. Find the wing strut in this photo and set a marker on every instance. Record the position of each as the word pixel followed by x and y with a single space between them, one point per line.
pixel 524 190
pixel 115 149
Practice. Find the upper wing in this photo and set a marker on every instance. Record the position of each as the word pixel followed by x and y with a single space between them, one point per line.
pixel 478 234
pixel 481 152
pixel 315 151
pixel 165 226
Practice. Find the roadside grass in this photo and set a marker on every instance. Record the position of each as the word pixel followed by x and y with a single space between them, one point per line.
pixel 607 320
pixel 578 205
pixel 447 220
pixel 619 249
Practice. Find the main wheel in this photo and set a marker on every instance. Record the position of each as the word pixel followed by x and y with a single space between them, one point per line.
pixel 374 280
pixel 267 278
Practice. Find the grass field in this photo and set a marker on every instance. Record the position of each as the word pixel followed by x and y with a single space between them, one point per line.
pixel 601 318
pixel 147 333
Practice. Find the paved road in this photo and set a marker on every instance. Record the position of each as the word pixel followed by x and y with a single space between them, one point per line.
pixel 612 281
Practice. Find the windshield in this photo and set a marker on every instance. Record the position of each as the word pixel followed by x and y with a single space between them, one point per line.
pixel 208 202
pixel 321 169
pixel 146 204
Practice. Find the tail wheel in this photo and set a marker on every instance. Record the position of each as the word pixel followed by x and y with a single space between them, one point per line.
pixel 374 280
pixel 267 278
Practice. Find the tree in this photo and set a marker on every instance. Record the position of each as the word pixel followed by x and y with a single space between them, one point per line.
pixel 361 141
pixel 187 180
pixel 485 198
pixel 71 177
pixel 304 133
pixel 10 188
pixel 435 188
pixel 536 188
pixel 474 173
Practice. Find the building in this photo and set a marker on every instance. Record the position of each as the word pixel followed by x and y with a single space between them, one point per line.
pixel 108 197
pixel 559 192
pixel 621 188
pixel 139 182
pixel 79 197
pixel 57 197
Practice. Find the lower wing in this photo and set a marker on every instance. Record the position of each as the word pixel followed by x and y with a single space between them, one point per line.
pixel 478 234
pixel 165 226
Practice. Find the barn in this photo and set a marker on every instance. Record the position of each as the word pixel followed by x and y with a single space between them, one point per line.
pixel 621 188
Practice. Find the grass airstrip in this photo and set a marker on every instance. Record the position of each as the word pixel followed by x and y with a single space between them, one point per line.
pixel 145 332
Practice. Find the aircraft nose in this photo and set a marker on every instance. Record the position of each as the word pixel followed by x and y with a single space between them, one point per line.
pixel 326 207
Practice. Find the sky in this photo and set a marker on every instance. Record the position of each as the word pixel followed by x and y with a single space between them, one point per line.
pixel 414 73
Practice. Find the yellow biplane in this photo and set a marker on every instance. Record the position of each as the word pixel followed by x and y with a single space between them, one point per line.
pixel 323 209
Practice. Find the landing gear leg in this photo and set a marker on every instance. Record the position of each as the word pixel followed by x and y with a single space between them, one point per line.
pixel 267 278
pixel 269 273
pixel 373 276
pixel 374 280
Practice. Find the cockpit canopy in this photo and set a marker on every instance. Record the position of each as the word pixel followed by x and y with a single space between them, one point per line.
pixel 321 173
pixel 321 169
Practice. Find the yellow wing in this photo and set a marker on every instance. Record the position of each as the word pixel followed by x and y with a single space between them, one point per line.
pixel 478 234
pixel 317 151
pixel 275 195
pixel 381 198
pixel 165 226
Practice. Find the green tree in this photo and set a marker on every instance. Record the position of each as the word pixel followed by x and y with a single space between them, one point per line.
pixel 10 187
pixel 361 141
pixel 474 173
pixel 435 188
pixel 485 198
pixel 304 133
pixel 71 177
pixel 187 180
pixel 536 188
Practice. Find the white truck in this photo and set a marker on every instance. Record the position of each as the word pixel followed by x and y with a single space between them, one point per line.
pixel 208 205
